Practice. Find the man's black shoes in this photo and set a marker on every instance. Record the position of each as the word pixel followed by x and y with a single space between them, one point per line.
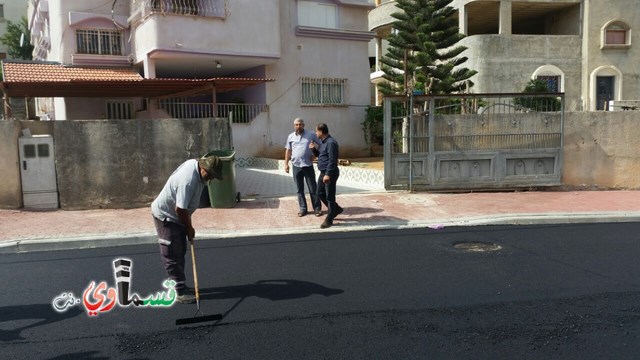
pixel 326 224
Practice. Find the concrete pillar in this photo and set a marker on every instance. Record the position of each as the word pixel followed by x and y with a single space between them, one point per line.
pixel 505 17
pixel 378 52
pixel 7 107
pixel 149 68
pixel 463 20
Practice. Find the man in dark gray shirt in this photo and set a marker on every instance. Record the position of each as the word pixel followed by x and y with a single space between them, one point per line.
pixel 327 154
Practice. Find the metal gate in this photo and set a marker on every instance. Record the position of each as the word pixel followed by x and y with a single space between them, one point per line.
pixel 473 141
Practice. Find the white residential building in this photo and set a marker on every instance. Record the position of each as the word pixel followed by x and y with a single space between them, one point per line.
pixel 316 51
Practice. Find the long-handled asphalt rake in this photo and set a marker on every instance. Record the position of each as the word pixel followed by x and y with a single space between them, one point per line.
pixel 202 318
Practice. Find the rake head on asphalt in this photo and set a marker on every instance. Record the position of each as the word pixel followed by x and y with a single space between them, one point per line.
pixel 198 317
pixel 202 318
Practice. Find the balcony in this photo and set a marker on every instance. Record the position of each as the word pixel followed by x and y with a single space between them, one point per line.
pixel 501 59
pixel 381 15
pixel 215 8
pixel 188 38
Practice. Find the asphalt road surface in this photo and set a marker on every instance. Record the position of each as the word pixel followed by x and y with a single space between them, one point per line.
pixel 486 292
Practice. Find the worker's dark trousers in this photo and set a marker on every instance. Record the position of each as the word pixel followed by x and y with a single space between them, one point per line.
pixel 172 238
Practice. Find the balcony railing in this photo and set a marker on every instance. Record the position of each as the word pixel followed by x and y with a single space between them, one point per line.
pixel 206 8
pixel 239 113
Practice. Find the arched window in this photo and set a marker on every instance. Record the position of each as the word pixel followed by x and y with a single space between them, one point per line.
pixel 552 75
pixel 616 34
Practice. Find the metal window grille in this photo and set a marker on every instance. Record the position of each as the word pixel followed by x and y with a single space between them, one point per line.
pixel 324 91
pixel 43 150
pixel 553 82
pixel 29 151
pixel 99 41
pixel 119 110
pixel 207 8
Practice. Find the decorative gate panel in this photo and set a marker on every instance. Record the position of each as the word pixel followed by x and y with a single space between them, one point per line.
pixel 475 141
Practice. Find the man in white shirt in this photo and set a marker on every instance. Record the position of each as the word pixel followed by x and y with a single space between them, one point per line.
pixel 172 211
pixel 297 150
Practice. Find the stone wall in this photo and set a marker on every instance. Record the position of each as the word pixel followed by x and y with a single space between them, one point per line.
pixel 111 163
pixel 10 193
pixel 601 150
pixel 125 163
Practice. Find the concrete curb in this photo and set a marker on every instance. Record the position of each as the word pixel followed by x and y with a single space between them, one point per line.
pixel 113 240
pixel 76 242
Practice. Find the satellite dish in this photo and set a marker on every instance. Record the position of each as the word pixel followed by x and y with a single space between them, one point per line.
pixel 22 40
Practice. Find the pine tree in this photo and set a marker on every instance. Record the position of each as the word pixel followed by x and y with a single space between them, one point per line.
pixel 428 31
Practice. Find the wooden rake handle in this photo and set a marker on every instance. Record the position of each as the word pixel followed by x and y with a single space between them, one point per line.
pixel 195 273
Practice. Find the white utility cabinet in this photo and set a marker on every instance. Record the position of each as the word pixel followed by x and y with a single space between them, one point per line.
pixel 38 172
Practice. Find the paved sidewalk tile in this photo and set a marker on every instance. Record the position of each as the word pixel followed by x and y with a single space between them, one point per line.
pixel 278 215
pixel 269 207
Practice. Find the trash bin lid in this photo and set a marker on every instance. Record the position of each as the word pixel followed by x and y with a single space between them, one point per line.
pixel 222 154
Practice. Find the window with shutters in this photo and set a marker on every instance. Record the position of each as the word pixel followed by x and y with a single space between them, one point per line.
pixel 616 34
pixel 317 14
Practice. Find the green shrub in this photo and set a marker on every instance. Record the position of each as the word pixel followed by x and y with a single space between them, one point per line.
pixel 372 126
pixel 543 103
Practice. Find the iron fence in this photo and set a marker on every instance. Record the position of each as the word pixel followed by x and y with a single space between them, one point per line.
pixel 476 122
pixel 238 113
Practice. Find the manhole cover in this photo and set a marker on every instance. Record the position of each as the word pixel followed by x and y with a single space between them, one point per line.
pixel 476 246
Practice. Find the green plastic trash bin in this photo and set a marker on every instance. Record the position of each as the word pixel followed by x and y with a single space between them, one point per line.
pixel 222 193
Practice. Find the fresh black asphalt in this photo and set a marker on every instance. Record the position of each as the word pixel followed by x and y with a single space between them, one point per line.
pixel 543 291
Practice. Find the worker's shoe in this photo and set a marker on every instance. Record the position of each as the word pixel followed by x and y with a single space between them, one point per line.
pixel 186 299
pixel 326 224
pixel 189 291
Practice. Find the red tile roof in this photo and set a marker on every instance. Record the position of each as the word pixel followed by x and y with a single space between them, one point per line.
pixel 38 72
pixel 37 79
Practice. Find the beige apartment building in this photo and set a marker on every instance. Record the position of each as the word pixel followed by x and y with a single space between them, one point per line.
pixel 584 48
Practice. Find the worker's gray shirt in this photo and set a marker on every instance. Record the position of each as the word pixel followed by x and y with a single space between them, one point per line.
pixel 183 189
pixel 299 146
